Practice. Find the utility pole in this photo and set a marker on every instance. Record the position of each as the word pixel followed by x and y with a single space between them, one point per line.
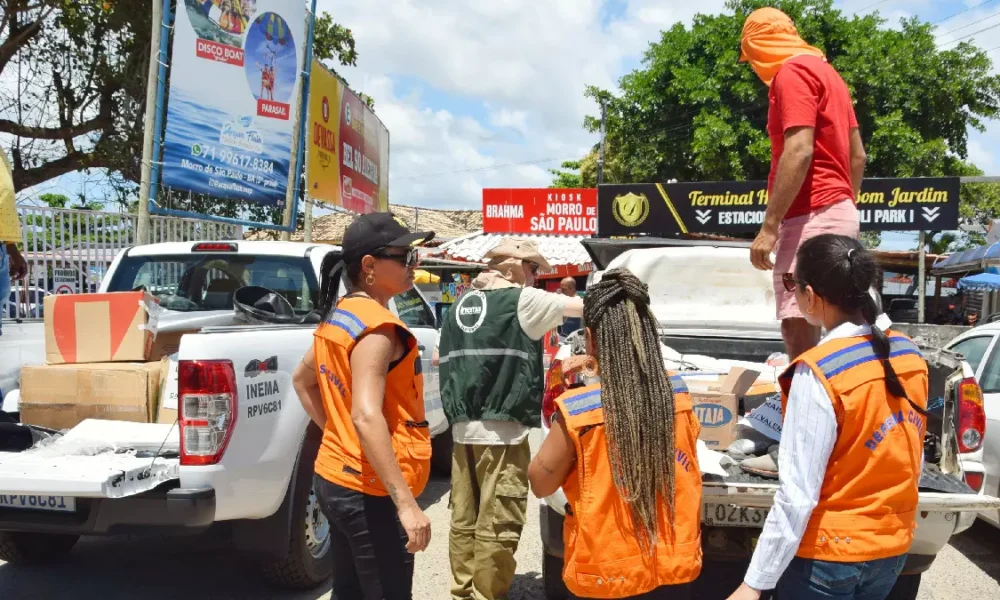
pixel 921 276
pixel 600 154
pixel 146 170
pixel 307 227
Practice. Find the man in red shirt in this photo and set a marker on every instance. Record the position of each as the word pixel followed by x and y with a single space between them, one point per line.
pixel 817 157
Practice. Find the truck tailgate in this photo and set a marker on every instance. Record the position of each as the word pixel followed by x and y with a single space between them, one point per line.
pixel 96 459
pixel 761 495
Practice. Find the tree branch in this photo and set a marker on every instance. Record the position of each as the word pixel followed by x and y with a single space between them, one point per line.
pixel 74 161
pixel 19 37
pixel 55 133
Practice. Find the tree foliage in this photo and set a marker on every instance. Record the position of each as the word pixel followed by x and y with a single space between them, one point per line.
pixel 693 112
pixel 78 69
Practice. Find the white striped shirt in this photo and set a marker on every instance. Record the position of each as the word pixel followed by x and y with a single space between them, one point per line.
pixel 808 435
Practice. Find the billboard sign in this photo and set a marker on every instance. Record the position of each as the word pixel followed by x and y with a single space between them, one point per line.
pixel 656 209
pixel 348 159
pixel 541 211
pixel 234 78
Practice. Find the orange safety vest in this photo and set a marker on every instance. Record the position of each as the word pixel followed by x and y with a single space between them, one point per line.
pixel 868 502
pixel 602 556
pixel 340 459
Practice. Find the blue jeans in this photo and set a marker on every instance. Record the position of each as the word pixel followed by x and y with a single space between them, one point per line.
pixel 4 283
pixel 806 579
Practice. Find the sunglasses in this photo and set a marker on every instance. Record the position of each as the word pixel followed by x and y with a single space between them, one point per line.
pixel 789 281
pixel 408 259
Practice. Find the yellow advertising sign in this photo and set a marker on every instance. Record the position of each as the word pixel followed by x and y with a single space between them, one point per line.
pixel 347 163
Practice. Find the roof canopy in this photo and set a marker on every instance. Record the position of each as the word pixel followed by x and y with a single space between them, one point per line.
pixel 972 259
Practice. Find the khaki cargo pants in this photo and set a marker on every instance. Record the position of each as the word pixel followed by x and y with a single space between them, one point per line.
pixel 489 502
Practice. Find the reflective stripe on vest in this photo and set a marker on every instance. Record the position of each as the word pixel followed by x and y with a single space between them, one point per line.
pixel 340 459
pixel 484 352
pixel 602 560
pixel 867 505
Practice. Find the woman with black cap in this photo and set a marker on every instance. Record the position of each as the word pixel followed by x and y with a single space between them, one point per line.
pixel 361 383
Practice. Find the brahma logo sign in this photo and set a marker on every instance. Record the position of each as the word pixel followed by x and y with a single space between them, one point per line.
pixel 540 211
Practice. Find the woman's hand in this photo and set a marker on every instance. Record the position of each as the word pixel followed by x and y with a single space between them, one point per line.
pixel 417 527
pixel 745 592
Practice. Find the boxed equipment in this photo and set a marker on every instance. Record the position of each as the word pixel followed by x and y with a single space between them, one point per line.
pixel 98 328
pixel 61 396
pixel 716 404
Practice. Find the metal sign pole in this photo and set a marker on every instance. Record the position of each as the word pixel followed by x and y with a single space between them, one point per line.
pixel 299 135
pixel 922 276
pixel 158 110
pixel 142 227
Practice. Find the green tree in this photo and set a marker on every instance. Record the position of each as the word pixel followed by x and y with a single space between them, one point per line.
pixel 565 177
pixel 694 113
pixel 78 72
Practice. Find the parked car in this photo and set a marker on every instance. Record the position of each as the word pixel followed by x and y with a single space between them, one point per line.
pixel 235 464
pixel 903 310
pixel 981 348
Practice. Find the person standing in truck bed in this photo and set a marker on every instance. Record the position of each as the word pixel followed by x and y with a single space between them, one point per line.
pixel 852 444
pixel 625 453
pixel 817 157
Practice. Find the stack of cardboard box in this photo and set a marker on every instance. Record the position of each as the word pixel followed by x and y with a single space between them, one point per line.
pixel 104 361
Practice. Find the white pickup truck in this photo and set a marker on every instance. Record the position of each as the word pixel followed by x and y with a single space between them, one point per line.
pixel 242 453
pixel 717 311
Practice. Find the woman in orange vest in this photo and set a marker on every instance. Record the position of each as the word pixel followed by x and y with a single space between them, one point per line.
pixel 361 383
pixel 624 452
pixel 852 441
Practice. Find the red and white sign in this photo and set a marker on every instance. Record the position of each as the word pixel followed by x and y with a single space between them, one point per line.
pixel 210 50
pixel 540 211
pixel 273 110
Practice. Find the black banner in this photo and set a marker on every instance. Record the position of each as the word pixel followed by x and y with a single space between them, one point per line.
pixel 657 209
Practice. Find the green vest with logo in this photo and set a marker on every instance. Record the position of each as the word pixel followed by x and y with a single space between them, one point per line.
pixel 490 370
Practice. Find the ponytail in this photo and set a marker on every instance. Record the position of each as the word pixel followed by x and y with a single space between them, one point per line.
pixel 842 271
pixel 333 271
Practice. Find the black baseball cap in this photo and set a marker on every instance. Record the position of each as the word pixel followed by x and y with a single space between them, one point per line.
pixel 374 231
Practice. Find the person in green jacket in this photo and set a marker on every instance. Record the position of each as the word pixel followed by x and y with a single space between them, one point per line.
pixel 490 358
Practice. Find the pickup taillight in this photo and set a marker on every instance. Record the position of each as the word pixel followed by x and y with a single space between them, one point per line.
pixel 207 396
pixel 971 416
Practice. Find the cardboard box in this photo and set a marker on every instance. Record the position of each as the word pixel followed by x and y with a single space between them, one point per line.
pixel 716 404
pixel 717 413
pixel 168 407
pixel 97 328
pixel 167 343
pixel 61 396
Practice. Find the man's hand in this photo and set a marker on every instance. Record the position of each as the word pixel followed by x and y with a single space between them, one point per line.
pixel 745 592
pixel 18 266
pixel 760 250
pixel 417 527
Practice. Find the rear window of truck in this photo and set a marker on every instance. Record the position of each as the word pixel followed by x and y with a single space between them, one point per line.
pixel 206 282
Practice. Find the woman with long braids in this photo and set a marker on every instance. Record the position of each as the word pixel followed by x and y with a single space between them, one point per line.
pixel 624 452
pixel 361 384
pixel 852 441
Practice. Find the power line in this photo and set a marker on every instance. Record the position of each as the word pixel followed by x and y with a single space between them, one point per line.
pixel 872 5
pixel 974 33
pixel 962 12
pixel 967 25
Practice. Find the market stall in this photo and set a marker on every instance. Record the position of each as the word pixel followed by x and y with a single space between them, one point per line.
pixel 555 219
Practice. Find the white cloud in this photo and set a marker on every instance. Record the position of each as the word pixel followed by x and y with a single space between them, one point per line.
pixel 520 66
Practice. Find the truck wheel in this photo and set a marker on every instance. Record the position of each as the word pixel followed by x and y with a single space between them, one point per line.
pixel 552 567
pixel 906 588
pixel 308 562
pixel 20 548
pixel 441 449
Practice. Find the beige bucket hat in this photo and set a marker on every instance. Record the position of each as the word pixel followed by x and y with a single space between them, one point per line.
pixel 520 249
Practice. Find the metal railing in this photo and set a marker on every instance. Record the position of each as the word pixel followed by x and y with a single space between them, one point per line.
pixel 69 251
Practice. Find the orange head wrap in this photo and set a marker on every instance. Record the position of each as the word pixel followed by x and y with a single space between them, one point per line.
pixel 769 39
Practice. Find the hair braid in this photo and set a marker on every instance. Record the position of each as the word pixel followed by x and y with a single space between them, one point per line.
pixel 637 398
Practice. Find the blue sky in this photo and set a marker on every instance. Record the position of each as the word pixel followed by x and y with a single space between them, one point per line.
pixel 490 94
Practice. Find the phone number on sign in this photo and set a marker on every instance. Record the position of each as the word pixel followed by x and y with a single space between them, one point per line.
pixel 241 161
